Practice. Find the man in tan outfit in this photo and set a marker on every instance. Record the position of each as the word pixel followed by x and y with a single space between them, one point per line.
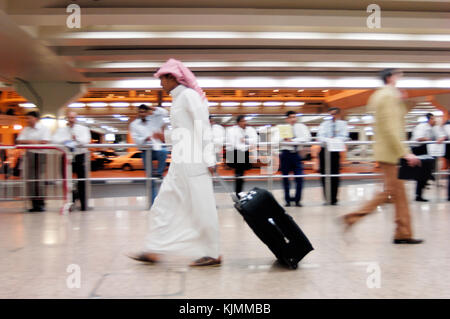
pixel 390 133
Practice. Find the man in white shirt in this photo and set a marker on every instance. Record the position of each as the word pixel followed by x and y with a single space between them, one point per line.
pixel 423 132
pixel 147 129
pixel 242 141
pixel 336 129
pixel 290 158
pixel 35 133
pixel 73 136
pixel 218 133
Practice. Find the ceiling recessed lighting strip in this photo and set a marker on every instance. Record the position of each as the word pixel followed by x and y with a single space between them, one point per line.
pixel 363 36
pixel 290 82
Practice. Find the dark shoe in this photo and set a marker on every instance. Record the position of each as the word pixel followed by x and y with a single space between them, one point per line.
pixel 297 204
pixel 207 261
pixel 411 241
pixel 287 205
pixel 334 203
pixel 145 257
pixel 420 199
pixel 36 210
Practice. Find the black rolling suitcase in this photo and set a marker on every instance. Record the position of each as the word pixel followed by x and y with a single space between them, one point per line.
pixel 273 226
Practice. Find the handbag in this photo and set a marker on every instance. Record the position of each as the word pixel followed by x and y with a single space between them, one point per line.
pixel 422 172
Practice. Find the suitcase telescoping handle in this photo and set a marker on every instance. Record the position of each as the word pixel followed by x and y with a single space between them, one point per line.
pixel 227 189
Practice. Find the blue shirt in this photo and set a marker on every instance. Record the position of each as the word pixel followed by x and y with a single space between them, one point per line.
pixel 330 129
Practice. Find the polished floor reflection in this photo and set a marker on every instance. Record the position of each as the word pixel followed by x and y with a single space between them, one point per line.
pixel 42 253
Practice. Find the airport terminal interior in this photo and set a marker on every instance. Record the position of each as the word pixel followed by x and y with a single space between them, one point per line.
pixel 253 58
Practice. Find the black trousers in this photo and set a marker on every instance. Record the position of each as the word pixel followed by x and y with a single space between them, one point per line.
pixel 420 150
pixel 447 157
pixel 335 168
pixel 240 162
pixel 78 168
pixel 35 167
pixel 291 162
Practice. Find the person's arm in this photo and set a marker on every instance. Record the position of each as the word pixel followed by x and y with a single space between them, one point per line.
pixel 419 134
pixel 58 137
pixel 389 128
pixel 253 137
pixel 159 111
pixel 343 131
pixel 84 135
pixel 440 134
pixel 136 135
pixel 302 133
pixel 321 133
pixel 45 138
pixel 198 109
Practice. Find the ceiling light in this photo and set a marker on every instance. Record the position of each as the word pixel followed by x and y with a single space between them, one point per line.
pixel 77 105
pixel 27 105
pixel 166 104
pixel 324 91
pixel 273 103
pixel 213 103
pixel 230 103
pixel 289 82
pixel 367 119
pixel 17 127
pixel 124 119
pixel 363 36
pixel 294 103
pixel 140 103
pixel 251 104
pixel 119 104
pixel 97 104
pixel 422 119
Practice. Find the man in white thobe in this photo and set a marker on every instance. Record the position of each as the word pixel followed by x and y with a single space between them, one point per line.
pixel 183 219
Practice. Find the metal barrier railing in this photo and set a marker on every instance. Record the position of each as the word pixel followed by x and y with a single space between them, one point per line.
pixel 149 180
pixel 56 162
pixel 270 177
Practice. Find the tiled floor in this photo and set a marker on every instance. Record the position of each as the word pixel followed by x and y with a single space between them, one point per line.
pixel 37 249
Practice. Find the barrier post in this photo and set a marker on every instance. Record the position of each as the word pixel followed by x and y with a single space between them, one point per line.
pixel 87 174
pixel 149 176
pixel 327 173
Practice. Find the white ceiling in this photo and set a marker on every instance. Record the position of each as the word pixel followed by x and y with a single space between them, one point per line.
pixel 128 39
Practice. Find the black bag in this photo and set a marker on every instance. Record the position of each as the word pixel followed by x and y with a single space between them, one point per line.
pixel 418 173
pixel 273 226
